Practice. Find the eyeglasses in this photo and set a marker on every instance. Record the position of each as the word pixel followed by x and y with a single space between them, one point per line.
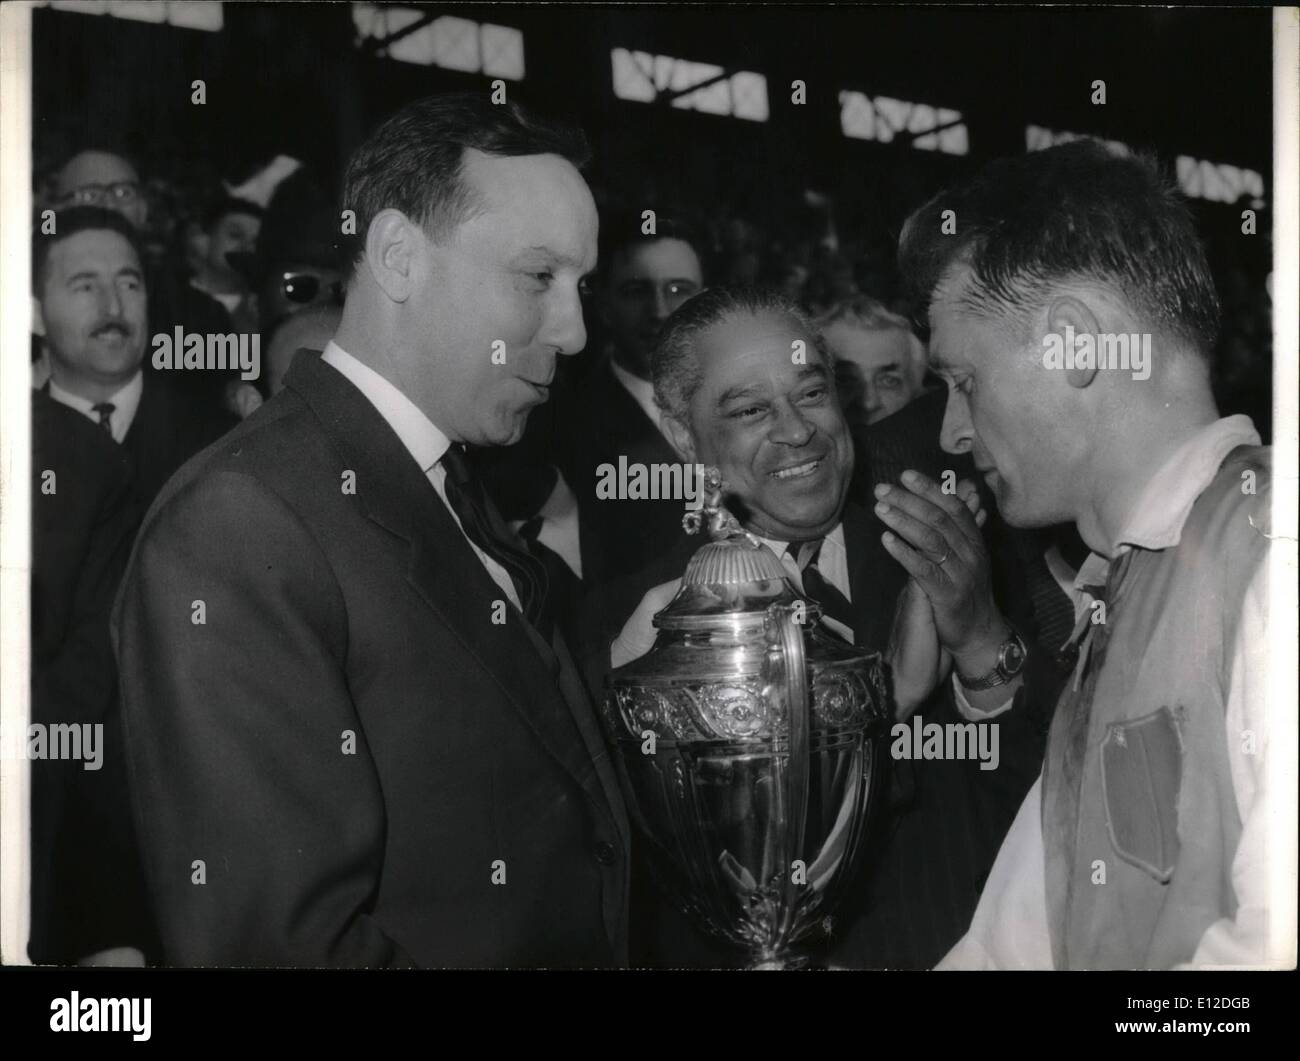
pixel 305 287
pixel 120 192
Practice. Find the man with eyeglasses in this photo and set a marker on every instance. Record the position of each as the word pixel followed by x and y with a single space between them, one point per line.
pixel 101 178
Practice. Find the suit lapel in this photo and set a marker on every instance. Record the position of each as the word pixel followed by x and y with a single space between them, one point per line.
pixel 624 423
pixel 444 570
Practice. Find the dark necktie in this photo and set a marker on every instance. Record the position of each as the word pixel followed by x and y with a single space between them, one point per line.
pixel 105 411
pixel 469 502
pixel 832 601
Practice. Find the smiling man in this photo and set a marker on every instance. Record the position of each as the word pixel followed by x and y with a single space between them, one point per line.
pixel 1146 842
pixel 745 384
pixel 357 739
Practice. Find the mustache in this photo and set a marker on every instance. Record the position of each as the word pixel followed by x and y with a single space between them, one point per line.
pixel 124 328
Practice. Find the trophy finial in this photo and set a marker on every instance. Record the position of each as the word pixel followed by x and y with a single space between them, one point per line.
pixel 722 524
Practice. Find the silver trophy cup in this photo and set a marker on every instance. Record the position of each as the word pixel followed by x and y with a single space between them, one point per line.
pixel 749 741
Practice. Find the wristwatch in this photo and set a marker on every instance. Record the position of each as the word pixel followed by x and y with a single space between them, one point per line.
pixel 1010 662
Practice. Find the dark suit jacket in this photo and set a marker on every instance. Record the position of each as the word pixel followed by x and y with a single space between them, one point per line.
pixel 84 517
pixel 617 535
pixel 169 428
pixel 199 313
pixel 349 743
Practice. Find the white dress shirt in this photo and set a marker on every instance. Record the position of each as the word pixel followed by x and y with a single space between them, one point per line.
pixel 422 439
pixel 832 562
pixel 1010 928
pixel 125 402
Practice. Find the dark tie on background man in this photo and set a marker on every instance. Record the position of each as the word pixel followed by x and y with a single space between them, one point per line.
pixel 105 411
pixel 467 499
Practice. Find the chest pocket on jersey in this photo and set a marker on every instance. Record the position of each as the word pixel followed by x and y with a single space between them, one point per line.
pixel 1141 773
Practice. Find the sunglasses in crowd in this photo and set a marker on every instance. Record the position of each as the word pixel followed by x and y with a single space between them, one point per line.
pixel 304 288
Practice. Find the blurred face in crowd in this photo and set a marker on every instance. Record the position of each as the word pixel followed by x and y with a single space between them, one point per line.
pixel 493 303
pixel 93 311
pixel 772 426
pixel 1009 412
pixel 878 370
pixel 232 234
pixel 647 281
pixel 97 178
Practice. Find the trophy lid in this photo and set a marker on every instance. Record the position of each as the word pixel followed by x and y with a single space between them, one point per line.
pixel 735 575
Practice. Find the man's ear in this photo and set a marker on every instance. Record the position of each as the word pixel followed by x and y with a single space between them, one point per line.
pixel 391 242
pixel 38 318
pixel 1071 320
pixel 680 436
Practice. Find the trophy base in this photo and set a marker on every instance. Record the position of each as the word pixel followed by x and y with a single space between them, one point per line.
pixel 793 961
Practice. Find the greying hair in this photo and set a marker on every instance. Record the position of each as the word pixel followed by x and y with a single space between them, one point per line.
pixel 674 366
pixel 872 315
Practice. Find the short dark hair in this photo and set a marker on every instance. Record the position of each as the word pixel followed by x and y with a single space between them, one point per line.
pixel 413 161
pixel 226 205
pixel 1028 224
pixel 622 230
pixel 673 365
pixel 68 223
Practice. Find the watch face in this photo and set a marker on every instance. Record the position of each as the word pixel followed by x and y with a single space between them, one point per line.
pixel 1013 657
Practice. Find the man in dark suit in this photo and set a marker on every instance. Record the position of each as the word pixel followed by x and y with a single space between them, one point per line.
pixel 356 739
pixel 93 312
pixel 746 386
pixel 111 438
pixel 84 516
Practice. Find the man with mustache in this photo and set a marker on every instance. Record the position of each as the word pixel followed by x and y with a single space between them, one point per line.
pixel 356 737
pixel 92 313
pixel 107 435
pixel 745 385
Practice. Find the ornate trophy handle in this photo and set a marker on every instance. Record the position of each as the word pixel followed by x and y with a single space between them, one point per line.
pixel 786 633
